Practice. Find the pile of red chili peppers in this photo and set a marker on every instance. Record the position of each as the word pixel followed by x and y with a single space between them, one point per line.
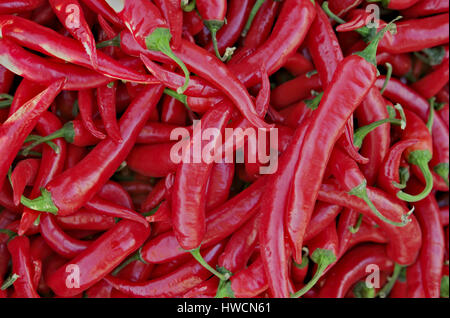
pixel 93 205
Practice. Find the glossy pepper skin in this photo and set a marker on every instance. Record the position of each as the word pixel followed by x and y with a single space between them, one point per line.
pixel 14 131
pixel 47 41
pixel 99 259
pixel 221 222
pixel 189 200
pixel 355 89
pixel 404 242
pixel 173 284
pixel 426 8
pixel 19 6
pixel 100 164
pixel 352 267
pixel 431 256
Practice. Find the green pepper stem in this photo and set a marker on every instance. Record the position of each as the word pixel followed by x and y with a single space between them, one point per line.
pixel 361 192
pixel 113 42
pixel 355 229
pixel 442 170
pixel 388 77
pixel 323 258
pixel 214 26
pixel 11 234
pixel 370 52
pixel 159 40
pixel 44 203
pixel 187 5
pixel 444 287
pixel 224 290
pixel 5 100
pixel 179 97
pixel 361 290
pixel 362 132
pixel 9 281
pixel 37 140
pixel 304 264
pixel 252 16
pixel 386 290
pixel 420 158
pixel 430 120
pixel 135 257
pixel 404 178
pixel 198 256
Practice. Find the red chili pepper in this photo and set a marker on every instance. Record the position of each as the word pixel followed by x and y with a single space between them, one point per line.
pixel 14 131
pixel 425 8
pixel 6 79
pixel 219 184
pixel 324 214
pixel 86 220
pixel 23 175
pixel 221 222
pixel 406 245
pixel 432 83
pixel 99 259
pixel 47 41
pixel 74 155
pixel 207 289
pixel 173 14
pixel 298 65
pixel 59 241
pixel 352 267
pixel 294 20
pixel 401 63
pixel 418 34
pixel 86 102
pixel 389 175
pixel 158 164
pixel 106 100
pixel 213 15
pixel 102 8
pixel 444 215
pixel 19 248
pixel 45 72
pixel 17 6
pixel 295 90
pixel 240 246
pixel 70 14
pixel 99 165
pixel 355 89
pixel 237 13
pixel 173 112
pixel 431 256
pixel 251 281
pixel 173 284
pixel 261 25
pixel 340 7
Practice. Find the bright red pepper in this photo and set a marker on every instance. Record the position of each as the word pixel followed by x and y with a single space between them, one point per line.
pixel 23 175
pixel 17 6
pixel 425 8
pixel 106 100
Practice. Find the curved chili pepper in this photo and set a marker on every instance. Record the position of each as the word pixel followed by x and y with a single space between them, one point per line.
pixel 188 211
pixel 45 72
pixel 355 89
pixel 173 14
pixel 19 248
pixel 213 15
pixel 323 215
pixel 87 177
pixel 219 184
pixel 23 175
pixel 352 267
pixel 389 176
pixel 220 223
pixel 59 241
pixel 173 284
pixel 173 112
pixel 431 256
pixel 406 245
pixel 240 246
pixel 150 30
pixel 17 6
pixel 86 102
pixel 294 21
pixel 297 65
pixel 433 82
pixel 99 259
pixel 294 90
pixel 106 100
pixel 47 41
pixel 14 131
pixel 340 7
pixel 425 8
pixel 70 14
pixel 155 197
pixel 401 63
pixel 237 12
pixel 261 25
